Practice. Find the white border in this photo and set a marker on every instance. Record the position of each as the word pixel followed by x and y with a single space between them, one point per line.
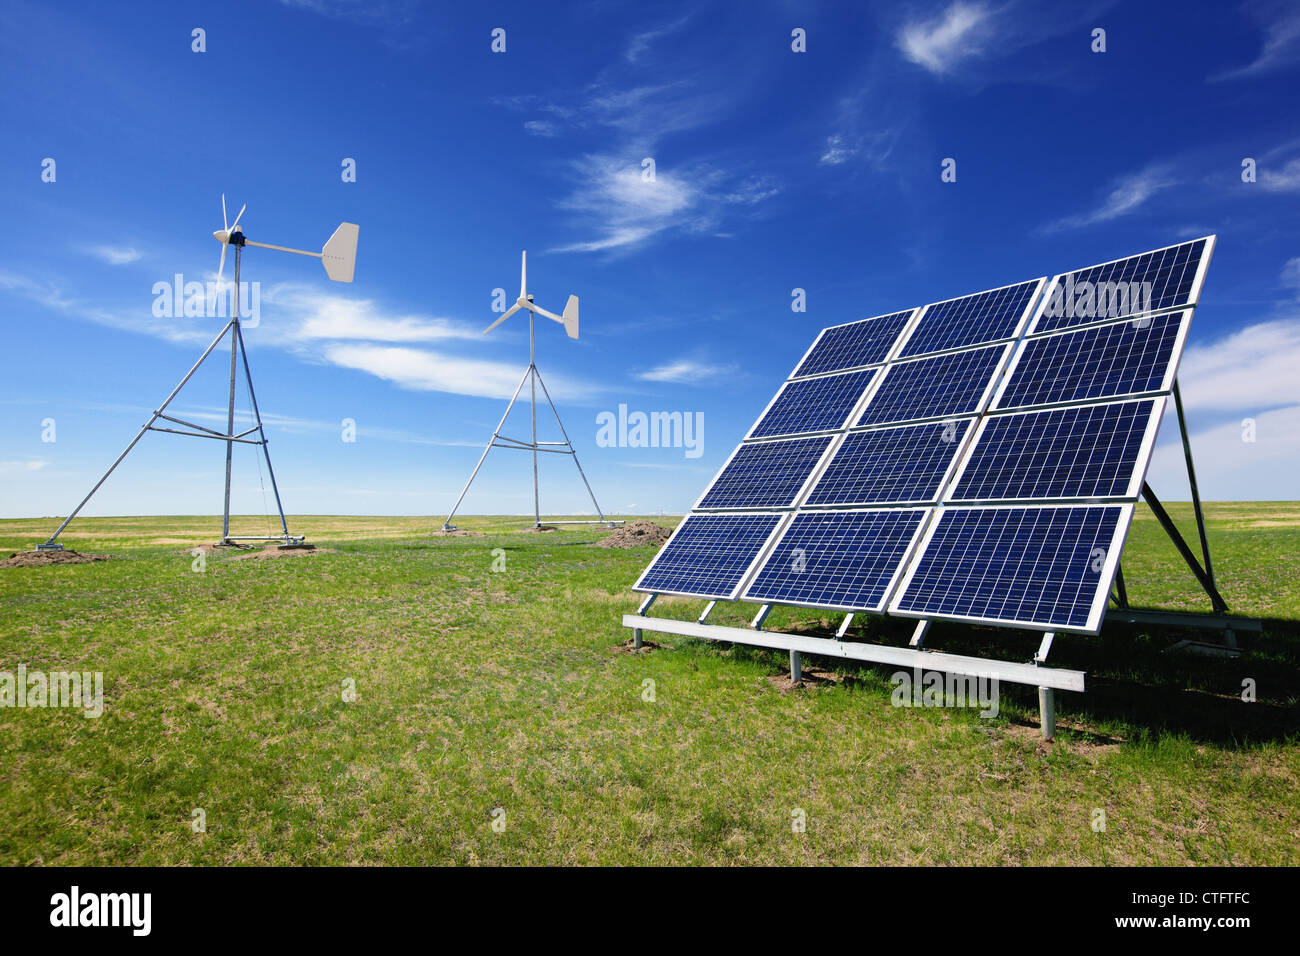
pixel 828 437
pixel 858 609
pixel 906 329
pixel 1140 463
pixel 1100 598
pixel 1193 294
pixel 783 521
pixel 1031 308
pixel 1167 384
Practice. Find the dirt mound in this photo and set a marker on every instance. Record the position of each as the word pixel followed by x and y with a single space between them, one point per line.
pixel 36 559
pixel 541 529
pixel 636 534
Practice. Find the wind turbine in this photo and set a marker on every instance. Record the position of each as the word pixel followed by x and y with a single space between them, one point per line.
pixel 569 319
pixel 339 256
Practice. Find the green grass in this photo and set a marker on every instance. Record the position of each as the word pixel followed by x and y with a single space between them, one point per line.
pixel 479 690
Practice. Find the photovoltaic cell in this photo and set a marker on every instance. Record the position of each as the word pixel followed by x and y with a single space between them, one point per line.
pixel 837 559
pixel 971 320
pixel 1031 566
pixel 765 474
pixel 854 345
pixel 1162 279
pixel 1087 451
pixel 813 405
pixel 1102 361
pixel 708 555
pixel 950 384
pixel 890 465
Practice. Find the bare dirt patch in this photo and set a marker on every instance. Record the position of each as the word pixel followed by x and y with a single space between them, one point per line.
pixel 645 648
pixel 813 678
pixel 636 534
pixel 538 530
pixel 38 559
pixel 456 533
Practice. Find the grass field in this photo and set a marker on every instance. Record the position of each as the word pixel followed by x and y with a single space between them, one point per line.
pixel 481 691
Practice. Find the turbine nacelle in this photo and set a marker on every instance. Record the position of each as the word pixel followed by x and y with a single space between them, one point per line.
pixel 338 256
pixel 569 319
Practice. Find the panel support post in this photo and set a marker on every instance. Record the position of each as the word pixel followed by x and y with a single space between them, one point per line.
pixel 796 668
pixel 918 635
pixel 1191 481
pixel 1047 712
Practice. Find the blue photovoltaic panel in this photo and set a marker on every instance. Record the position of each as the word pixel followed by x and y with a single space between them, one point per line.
pixel 1088 451
pixel 950 384
pixel 1102 361
pixel 837 559
pixel 854 345
pixel 765 474
pixel 813 405
pixel 971 320
pixel 890 465
pixel 708 555
pixel 1149 282
pixel 1038 566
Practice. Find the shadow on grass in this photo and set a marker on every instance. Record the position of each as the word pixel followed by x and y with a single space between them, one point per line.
pixel 1133 678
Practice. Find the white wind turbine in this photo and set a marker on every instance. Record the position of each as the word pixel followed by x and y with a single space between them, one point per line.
pixel 569 319
pixel 339 256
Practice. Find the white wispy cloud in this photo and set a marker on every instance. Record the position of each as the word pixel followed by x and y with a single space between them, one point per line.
pixel 1281 26
pixel 429 371
pixel 1124 196
pixel 1247 371
pixel 686 371
pixel 941 43
pixel 1286 179
pixel 641 42
pixel 320 315
pixel 1229 467
pixel 625 209
pixel 31 464
pixel 116 255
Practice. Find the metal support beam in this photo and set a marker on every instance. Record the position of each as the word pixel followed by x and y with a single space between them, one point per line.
pixel 534 378
pixel 708 609
pixel 1171 529
pixel 918 634
pixel 760 617
pixel 1047 712
pixel 1045 646
pixel 1120 590
pixel 844 625
pixel 1191 481
pixel 1013 672
pixel 796 667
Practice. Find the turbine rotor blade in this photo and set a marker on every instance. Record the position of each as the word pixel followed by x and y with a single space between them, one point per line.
pixel 222 266
pixel 504 315
pixel 225 223
pixel 523 274
pixel 241 212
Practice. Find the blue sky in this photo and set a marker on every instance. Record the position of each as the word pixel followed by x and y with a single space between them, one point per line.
pixel 774 170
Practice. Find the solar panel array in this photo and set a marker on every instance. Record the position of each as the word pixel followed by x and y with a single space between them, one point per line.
pixel 1168 278
pixel 955 461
